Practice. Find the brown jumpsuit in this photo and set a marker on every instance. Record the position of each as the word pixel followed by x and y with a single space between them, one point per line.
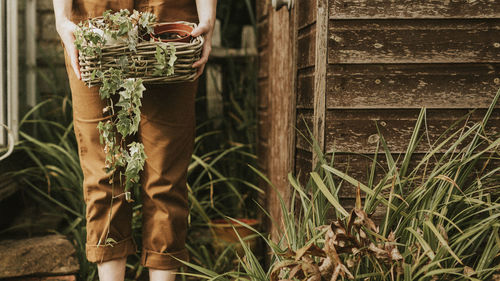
pixel 167 132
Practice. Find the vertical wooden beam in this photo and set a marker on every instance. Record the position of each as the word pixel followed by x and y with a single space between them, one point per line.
pixel 294 24
pixel 320 75
pixel 282 63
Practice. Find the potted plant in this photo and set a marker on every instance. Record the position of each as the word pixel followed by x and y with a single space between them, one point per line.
pixel 226 231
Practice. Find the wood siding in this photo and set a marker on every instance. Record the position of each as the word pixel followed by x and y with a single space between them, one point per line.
pixel 403 9
pixel 386 60
pixel 368 64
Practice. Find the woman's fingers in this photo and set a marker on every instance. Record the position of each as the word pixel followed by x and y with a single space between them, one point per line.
pixel 203 60
pixel 69 45
pixel 66 31
pixel 202 28
pixel 73 54
pixel 199 71
pixel 207 48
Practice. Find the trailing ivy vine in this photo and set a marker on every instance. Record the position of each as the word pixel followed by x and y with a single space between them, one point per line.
pixel 123 95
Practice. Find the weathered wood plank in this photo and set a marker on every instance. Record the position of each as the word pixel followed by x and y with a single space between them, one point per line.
pixel 263 33
pixel 352 132
pixel 262 151
pixel 305 88
pixel 306 13
pixel 306 48
pixel 263 95
pixel 359 167
pixel 320 74
pixel 263 128
pixel 355 130
pixel 262 8
pixel 303 165
pixel 414 41
pixel 362 9
pixel 408 86
pixel 263 63
pixel 304 121
pixel 349 204
pixel 282 86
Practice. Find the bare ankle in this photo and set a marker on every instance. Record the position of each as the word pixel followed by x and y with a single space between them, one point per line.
pixel 162 275
pixel 112 270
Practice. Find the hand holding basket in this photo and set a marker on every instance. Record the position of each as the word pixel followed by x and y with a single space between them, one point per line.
pixel 164 55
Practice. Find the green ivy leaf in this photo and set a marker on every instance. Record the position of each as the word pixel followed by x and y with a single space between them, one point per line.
pixel 123 63
pixel 126 115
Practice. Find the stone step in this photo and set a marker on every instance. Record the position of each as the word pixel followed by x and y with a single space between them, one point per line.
pixel 38 256
pixel 44 278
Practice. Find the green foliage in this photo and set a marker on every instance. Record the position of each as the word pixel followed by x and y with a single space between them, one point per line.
pixel 91 36
pixel 135 159
pixel 125 123
pixel 219 182
pixel 50 172
pixel 440 222
pixel 164 67
pixel 54 178
pixel 89 43
pixel 130 103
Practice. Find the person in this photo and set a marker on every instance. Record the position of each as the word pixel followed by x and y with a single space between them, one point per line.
pixel 166 130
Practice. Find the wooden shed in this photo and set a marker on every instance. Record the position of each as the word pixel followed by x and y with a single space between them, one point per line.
pixel 344 65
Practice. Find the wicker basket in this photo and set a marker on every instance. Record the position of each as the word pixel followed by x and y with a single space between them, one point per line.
pixel 188 50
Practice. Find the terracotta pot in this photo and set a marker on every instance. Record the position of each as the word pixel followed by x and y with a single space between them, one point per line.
pixel 225 234
pixel 172 32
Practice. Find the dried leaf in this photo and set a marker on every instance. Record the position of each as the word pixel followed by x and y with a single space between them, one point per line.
pixel 362 234
pixel 294 271
pixel 326 266
pixel 336 272
pixel 378 252
pixel 395 255
pixel 310 249
pixel 314 278
pixel 346 271
pixel 309 268
pixel 279 266
pixel 443 232
pixel 358 196
pixel 469 271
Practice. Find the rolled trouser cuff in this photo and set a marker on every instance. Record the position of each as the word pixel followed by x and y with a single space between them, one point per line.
pixel 102 253
pixel 164 261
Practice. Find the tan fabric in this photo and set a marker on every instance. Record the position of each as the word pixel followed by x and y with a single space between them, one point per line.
pixel 167 131
pixel 165 10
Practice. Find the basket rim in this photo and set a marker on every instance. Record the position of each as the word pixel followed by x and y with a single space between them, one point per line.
pixel 186 51
pixel 195 41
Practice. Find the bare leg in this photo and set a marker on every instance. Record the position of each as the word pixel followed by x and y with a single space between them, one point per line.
pixel 112 270
pixel 161 275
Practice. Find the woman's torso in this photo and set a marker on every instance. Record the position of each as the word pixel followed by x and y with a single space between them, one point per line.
pixel 165 10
